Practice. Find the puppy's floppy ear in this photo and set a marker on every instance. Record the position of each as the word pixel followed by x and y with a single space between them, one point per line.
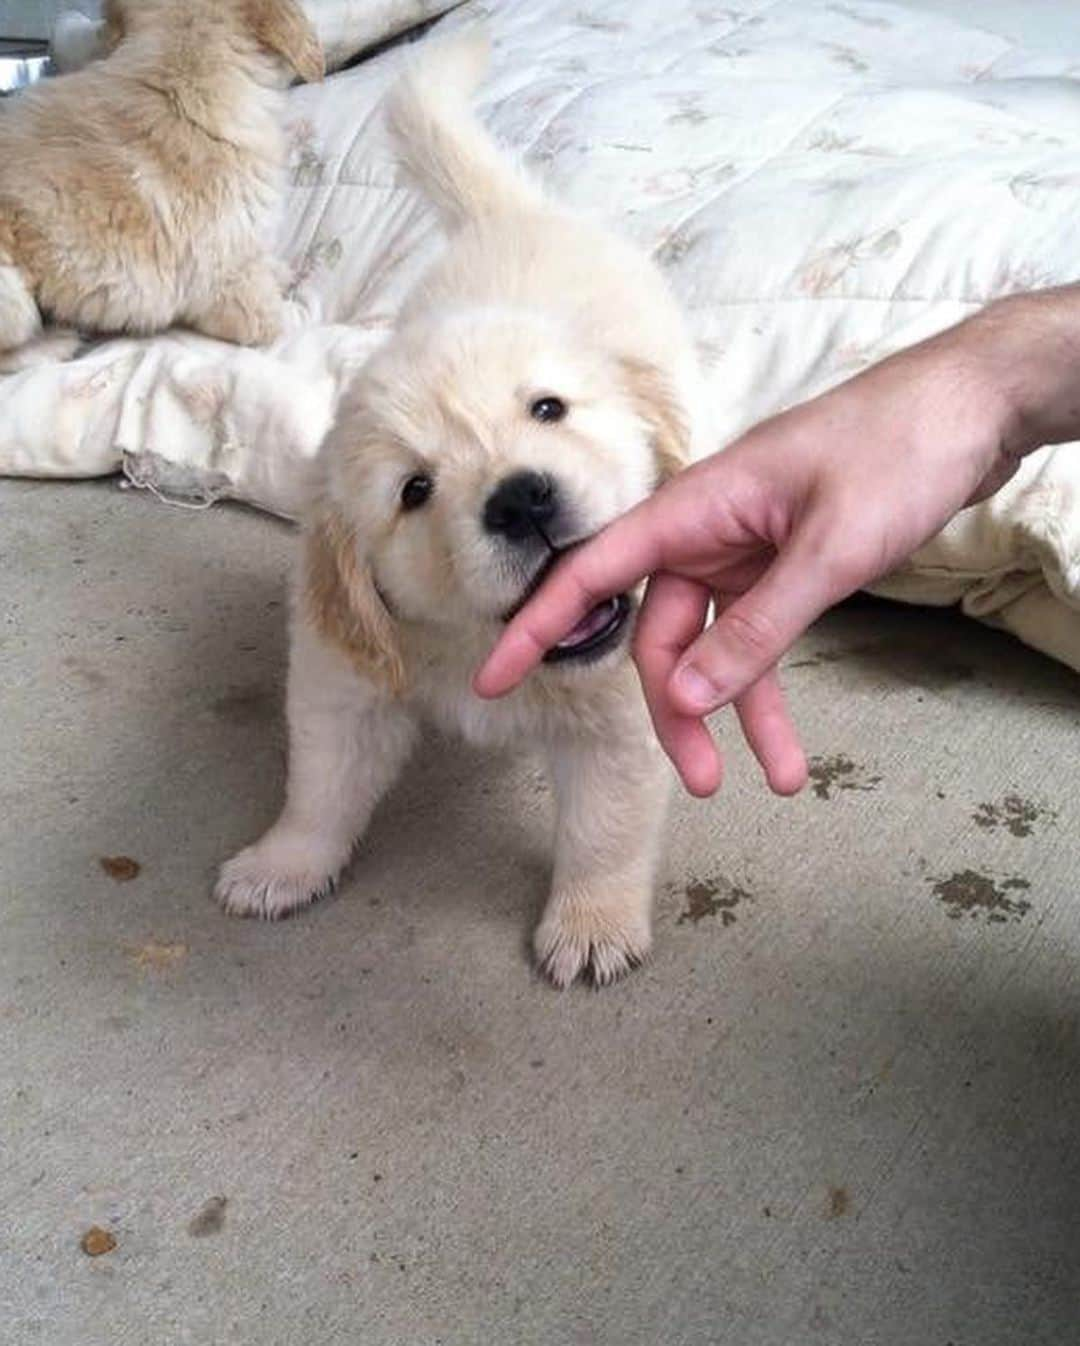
pixel 115 15
pixel 655 402
pixel 283 27
pixel 342 601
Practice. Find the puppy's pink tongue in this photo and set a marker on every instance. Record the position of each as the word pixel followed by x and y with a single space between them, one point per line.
pixel 589 625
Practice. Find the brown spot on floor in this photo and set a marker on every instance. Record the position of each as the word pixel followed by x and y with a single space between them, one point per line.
pixel 122 868
pixel 969 893
pixel 247 705
pixel 97 1241
pixel 839 1202
pixel 210 1220
pixel 712 897
pixel 839 772
pixel 1014 813
pixel 92 678
pixel 155 957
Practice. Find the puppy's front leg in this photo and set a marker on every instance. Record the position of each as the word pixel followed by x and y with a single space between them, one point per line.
pixel 347 742
pixel 612 796
pixel 20 321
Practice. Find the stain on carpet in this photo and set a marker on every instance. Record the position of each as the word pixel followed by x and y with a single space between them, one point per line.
pixel 1015 814
pixel 253 704
pixel 712 897
pixel 96 1242
pixel 121 868
pixel 839 1203
pixel 91 678
pixel 210 1219
pixel 969 893
pixel 839 772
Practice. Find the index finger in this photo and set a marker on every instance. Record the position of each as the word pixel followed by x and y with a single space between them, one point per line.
pixel 614 560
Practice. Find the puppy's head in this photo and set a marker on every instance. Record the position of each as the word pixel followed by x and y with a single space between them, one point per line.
pixel 467 456
pixel 282 28
pixel 278 29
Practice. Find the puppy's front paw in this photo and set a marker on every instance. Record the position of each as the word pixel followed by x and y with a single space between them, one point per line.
pixel 275 877
pixel 250 311
pixel 260 327
pixel 601 940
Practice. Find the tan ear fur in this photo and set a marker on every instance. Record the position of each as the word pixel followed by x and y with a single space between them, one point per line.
pixel 655 402
pixel 344 604
pixel 283 27
pixel 114 12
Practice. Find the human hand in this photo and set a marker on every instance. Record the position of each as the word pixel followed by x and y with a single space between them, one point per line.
pixel 794 516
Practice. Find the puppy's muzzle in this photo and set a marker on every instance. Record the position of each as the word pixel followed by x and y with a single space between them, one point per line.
pixel 525 509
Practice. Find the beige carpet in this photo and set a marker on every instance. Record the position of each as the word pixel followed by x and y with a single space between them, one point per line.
pixel 840 1106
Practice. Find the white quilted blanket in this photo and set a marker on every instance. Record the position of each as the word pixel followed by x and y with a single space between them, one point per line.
pixel 823 180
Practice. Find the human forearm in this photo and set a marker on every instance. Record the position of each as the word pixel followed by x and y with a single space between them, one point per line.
pixel 1031 343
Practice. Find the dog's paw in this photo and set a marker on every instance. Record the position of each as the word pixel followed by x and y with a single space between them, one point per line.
pixel 260 327
pixel 274 878
pixel 250 311
pixel 599 941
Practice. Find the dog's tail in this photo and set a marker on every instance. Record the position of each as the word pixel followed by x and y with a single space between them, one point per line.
pixel 442 144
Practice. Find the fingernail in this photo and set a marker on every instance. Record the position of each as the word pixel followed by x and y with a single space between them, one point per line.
pixel 696 691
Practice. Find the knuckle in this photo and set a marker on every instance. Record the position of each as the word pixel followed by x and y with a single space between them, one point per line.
pixel 753 629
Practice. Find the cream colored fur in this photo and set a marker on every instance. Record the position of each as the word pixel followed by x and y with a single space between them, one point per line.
pixel 395 607
pixel 136 193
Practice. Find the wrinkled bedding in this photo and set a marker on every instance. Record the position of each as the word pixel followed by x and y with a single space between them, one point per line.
pixel 824 181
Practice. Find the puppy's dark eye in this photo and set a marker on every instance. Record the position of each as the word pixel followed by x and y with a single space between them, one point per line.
pixel 416 491
pixel 548 409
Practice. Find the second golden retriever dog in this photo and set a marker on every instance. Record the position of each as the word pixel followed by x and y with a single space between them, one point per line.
pixel 136 193
pixel 539 381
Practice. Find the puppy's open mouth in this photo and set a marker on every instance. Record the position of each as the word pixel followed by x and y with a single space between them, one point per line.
pixel 598 631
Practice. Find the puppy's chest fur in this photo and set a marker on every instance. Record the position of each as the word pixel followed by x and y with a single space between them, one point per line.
pixel 543 711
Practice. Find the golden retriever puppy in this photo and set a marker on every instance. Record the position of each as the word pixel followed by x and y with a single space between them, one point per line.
pixel 538 383
pixel 135 193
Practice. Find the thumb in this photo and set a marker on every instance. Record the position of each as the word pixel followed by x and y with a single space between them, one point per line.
pixel 748 637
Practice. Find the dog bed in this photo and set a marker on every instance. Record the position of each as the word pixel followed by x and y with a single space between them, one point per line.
pixel 824 181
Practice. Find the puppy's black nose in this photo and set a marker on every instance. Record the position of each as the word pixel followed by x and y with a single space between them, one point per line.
pixel 521 506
